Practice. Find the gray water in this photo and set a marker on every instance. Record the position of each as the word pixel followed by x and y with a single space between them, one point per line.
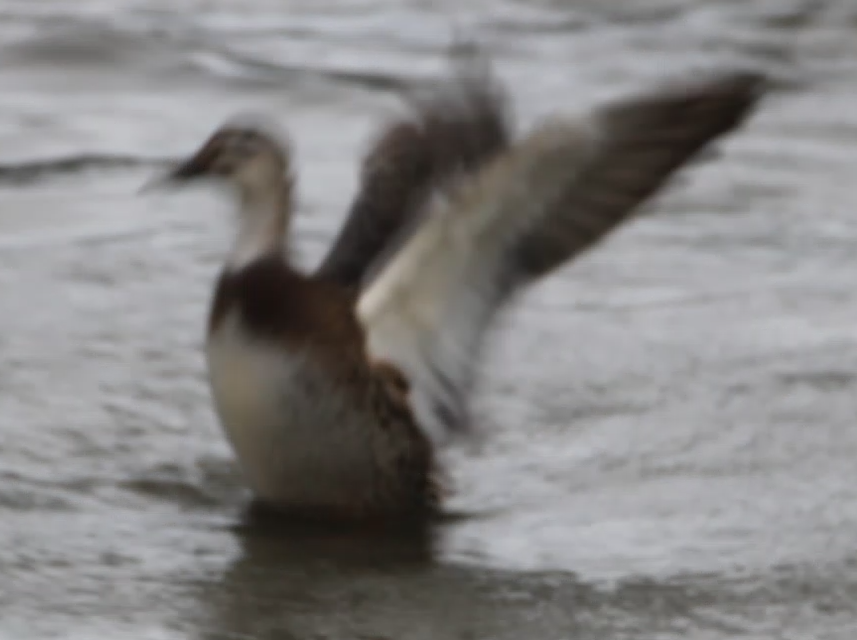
pixel 669 435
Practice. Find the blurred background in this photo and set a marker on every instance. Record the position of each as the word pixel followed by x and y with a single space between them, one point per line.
pixel 670 440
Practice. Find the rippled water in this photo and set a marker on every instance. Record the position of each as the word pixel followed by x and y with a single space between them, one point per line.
pixel 670 435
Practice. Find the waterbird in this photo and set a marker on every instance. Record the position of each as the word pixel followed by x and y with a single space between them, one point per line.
pixel 336 387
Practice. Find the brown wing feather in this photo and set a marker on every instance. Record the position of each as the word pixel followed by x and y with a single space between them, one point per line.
pixel 642 143
pixel 455 128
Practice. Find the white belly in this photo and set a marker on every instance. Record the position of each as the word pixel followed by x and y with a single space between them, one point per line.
pixel 298 438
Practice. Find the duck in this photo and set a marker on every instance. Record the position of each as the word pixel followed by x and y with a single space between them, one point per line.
pixel 337 387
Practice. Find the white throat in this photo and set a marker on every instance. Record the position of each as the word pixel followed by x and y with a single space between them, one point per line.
pixel 262 225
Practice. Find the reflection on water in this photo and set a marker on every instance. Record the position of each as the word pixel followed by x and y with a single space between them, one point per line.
pixel 333 585
pixel 301 581
pixel 669 423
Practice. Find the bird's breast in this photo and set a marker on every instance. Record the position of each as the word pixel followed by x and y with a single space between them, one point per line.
pixel 298 434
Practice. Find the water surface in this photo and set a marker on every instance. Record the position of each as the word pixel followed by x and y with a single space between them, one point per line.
pixel 669 423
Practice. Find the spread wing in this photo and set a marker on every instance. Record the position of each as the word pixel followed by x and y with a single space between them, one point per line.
pixel 552 196
pixel 452 129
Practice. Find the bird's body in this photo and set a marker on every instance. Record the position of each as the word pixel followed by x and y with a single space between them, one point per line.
pixel 335 387
pixel 316 427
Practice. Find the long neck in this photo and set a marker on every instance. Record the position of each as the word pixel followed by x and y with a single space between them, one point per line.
pixel 263 224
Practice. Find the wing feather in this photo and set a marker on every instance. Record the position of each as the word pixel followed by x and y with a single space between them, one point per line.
pixel 552 196
pixel 453 128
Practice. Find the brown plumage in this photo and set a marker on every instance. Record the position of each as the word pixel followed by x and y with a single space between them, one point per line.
pixel 450 132
pixel 643 143
pixel 331 395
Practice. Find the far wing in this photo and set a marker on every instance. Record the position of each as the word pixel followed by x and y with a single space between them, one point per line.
pixel 454 128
